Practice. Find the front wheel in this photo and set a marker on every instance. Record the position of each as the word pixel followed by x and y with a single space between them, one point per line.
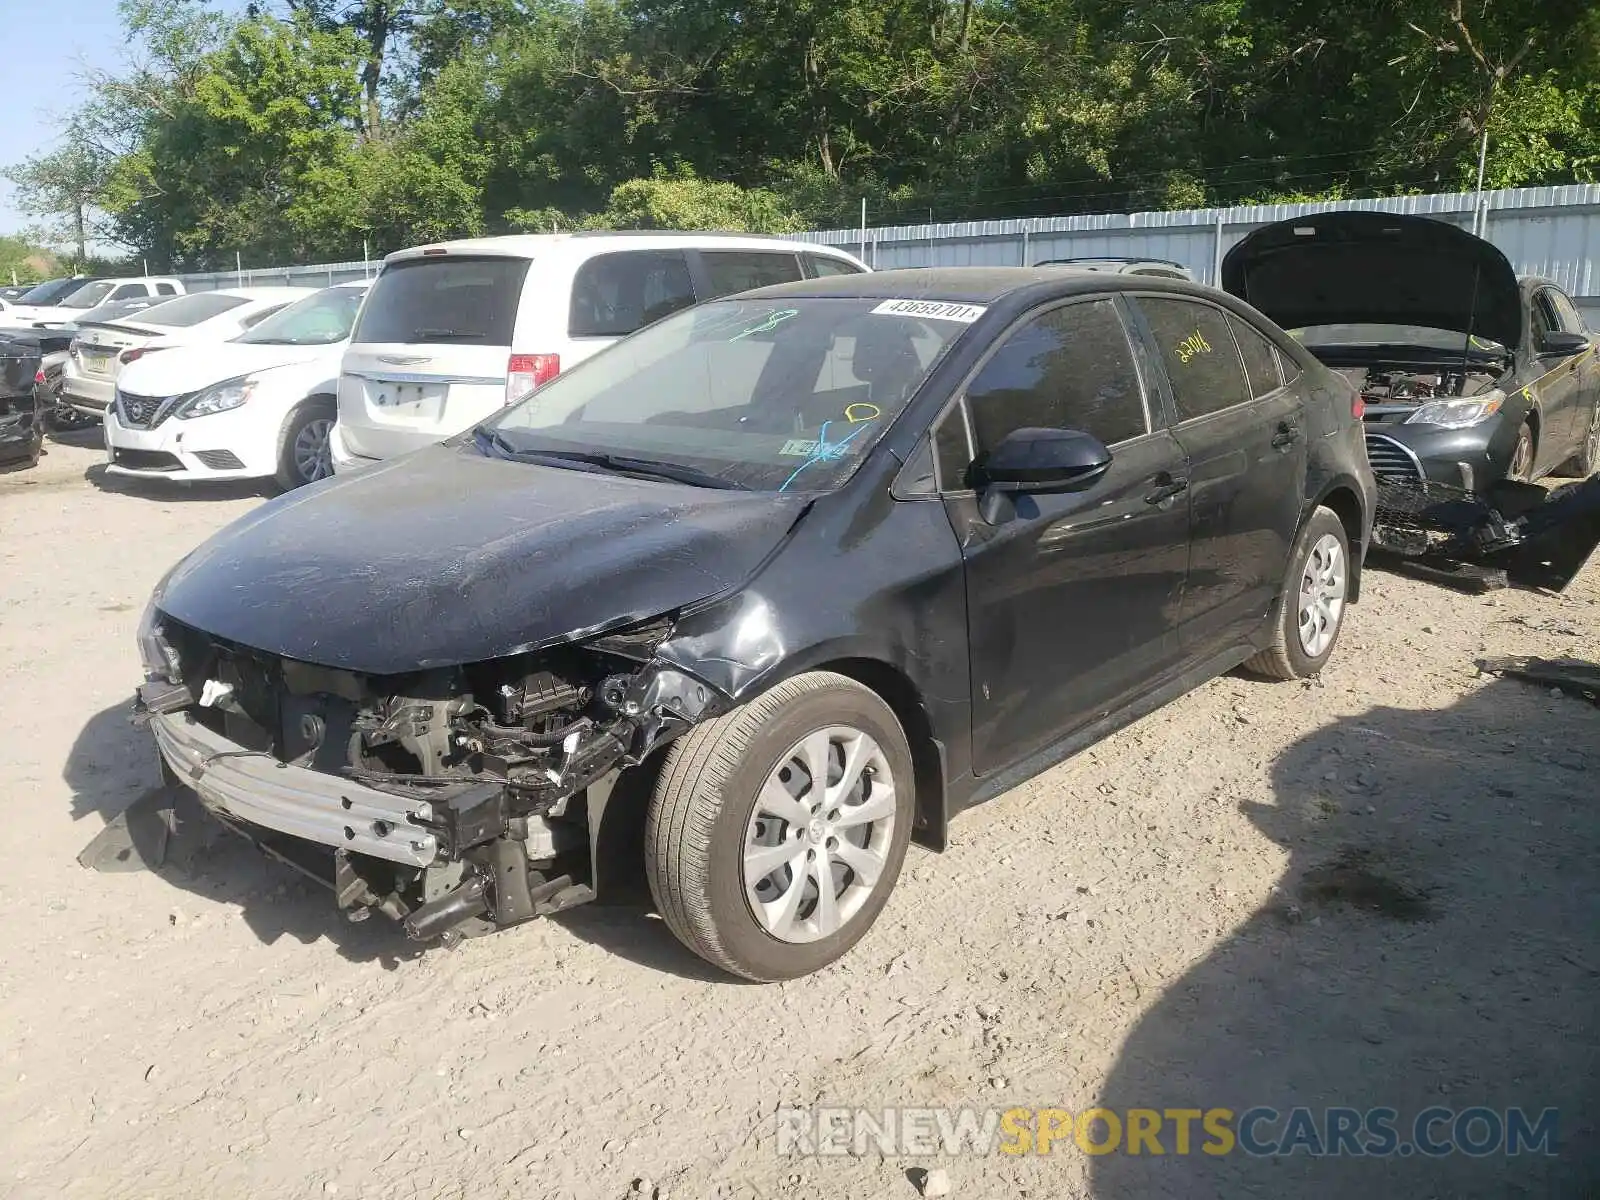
pixel 1587 460
pixel 304 455
pixel 1521 466
pixel 777 831
pixel 1310 610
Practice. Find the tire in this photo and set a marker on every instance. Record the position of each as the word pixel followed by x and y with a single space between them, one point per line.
pixel 1292 655
pixel 311 420
pixel 1520 466
pixel 711 812
pixel 1587 459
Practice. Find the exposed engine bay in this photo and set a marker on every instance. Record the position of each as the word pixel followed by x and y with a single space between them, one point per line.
pixel 1387 389
pixel 508 764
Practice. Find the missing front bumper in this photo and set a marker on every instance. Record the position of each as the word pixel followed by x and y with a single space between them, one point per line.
pixel 253 786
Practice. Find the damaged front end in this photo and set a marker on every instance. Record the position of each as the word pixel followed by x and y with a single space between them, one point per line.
pixel 1511 532
pixel 451 799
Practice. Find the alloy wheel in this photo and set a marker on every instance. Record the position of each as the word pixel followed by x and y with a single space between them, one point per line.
pixel 313 456
pixel 819 838
pixel 1521 456
pixel 1322 595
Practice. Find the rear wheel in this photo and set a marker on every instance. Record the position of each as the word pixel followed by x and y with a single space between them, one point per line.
pixel 776 832
pixel 304 455
pixel 1587 460
pixel 1310 611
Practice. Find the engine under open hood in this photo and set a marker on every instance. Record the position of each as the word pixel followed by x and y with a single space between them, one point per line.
pixel 1351 268
pixel 447 557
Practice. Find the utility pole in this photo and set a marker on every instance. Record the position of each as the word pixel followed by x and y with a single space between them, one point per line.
pixel 863 229
pixel 1477 205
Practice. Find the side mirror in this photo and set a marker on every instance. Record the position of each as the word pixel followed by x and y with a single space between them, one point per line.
pixel 1558 343
pixel 1044 460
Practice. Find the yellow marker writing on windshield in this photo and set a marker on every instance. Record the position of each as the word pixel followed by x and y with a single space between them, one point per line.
pixel 859 412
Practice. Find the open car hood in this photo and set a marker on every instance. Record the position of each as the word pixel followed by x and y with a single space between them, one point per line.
pixel 1355 268
pixel 445 557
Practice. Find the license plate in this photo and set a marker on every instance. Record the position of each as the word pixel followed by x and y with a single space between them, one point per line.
pixel 402 395
pixel 96 362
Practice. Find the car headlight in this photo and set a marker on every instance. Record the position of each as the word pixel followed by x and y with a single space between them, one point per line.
pixel 159 659
pixel 1458 413
pixel 220 398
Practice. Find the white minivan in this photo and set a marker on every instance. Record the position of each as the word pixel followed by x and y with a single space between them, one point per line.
pixel 452 333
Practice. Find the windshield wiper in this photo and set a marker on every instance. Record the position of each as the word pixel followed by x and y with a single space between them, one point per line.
pixel 622 464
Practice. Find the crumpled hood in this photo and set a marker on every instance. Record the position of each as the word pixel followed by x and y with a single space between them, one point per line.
pixel 189 368
pixel 445 557
pixel 1353 268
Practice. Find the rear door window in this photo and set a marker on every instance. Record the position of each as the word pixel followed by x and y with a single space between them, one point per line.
pixel 729 271
pixel 1260 359
pixel 166 289
pixel 615 294
pixel 450 300
pixel 190 310
pixel 1198 351
pixel 1069 368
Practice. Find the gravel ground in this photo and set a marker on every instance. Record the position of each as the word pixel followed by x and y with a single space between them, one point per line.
pixel 1376 889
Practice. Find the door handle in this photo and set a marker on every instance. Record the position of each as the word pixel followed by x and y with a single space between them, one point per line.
pixel 1288 434
pixel 1167 488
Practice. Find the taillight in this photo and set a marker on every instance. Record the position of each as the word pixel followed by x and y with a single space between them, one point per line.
pixel 38 376
pixel 527 372
pixel 1358 406
pixel 132 353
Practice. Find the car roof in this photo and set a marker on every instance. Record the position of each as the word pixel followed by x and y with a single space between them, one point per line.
pixel 973 285
pixel 587 242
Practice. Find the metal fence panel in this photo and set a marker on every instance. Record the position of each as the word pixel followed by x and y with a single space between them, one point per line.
pixel 1554 232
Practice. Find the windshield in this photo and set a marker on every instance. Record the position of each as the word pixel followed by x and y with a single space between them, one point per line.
pixel 319 320
pixel 50 292
pixel 772 395
pixel 1420 336
pixel 89 295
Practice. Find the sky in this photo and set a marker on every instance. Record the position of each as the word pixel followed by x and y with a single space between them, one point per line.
pixel 51 42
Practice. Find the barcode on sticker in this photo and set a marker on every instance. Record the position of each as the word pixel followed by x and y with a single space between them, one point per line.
pixel 934 310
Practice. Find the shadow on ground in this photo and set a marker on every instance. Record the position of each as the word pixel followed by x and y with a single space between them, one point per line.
pixel 113 765
pixel 1436 942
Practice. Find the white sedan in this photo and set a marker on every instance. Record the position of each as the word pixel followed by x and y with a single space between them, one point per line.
pixel 100 351
pixel 259 406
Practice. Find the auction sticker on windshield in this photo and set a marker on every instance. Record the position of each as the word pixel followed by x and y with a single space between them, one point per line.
pixel 935 310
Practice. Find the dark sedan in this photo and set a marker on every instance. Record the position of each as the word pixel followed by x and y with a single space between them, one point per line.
pixel 1469 375
pixel 22 416
pixel 775 585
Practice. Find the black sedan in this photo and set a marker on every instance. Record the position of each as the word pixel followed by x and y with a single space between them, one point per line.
pixel 1469 375
pixel 774 586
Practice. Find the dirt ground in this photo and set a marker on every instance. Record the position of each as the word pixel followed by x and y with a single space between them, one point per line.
pixel 1381 888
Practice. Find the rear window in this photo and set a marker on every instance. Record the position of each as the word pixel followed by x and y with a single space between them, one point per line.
pixel 469 301
pixel 190 310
